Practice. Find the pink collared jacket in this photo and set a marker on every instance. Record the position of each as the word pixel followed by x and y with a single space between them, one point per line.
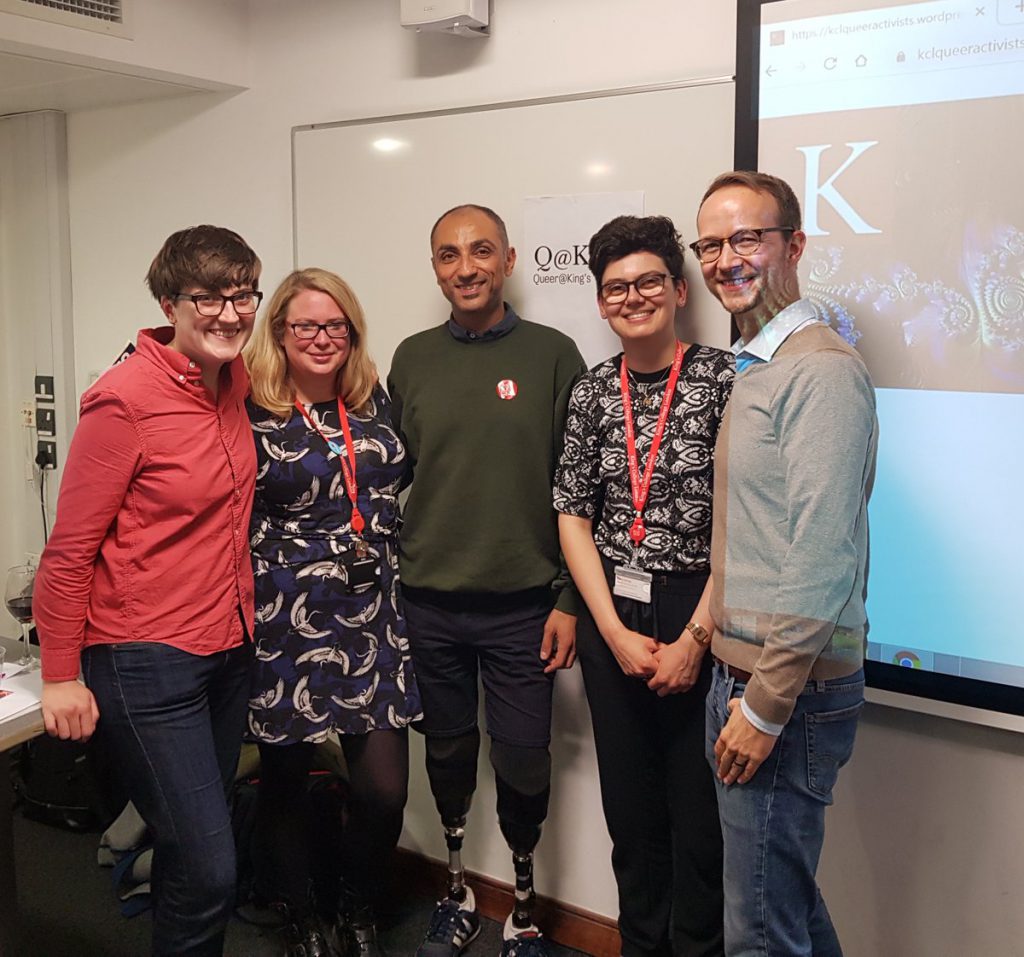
pixel 151 541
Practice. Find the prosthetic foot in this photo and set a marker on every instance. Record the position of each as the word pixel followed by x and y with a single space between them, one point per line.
pixel 455 921
pixel 522 938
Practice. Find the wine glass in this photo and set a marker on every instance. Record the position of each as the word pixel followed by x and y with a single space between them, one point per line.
pixel 18 596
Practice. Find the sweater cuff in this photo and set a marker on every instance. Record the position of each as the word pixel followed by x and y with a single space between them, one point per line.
pixel 568 599
pixel 770 707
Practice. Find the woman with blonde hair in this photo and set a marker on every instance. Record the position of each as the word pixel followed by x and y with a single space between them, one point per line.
pixel 331 652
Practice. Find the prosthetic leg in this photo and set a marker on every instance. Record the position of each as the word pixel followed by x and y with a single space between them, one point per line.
pixel 451 768
pixel 523 779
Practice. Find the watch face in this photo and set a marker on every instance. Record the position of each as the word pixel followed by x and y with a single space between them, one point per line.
pixel 699 632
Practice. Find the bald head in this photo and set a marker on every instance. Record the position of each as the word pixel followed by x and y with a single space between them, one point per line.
pixel 486 210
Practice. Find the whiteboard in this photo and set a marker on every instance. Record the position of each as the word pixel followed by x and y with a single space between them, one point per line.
pixel 367 214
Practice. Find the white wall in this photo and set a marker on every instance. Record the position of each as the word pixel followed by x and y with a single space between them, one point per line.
pixel 35 321
pixel 921 857
pixel 170 41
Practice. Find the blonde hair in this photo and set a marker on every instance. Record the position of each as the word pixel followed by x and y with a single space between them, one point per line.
pixel 265 356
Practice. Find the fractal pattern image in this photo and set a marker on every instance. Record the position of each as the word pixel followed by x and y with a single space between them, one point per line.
pixel 960 333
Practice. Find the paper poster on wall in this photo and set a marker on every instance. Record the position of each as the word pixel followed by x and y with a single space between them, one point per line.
pixel 560 291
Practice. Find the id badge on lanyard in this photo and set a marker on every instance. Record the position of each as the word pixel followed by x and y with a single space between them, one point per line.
pixel 347 456
pixel 632 582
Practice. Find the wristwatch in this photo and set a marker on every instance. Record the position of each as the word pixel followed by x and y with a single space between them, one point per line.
pixel 699 632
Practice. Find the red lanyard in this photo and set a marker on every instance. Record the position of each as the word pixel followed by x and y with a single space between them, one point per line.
pixel 348 468
pixel 641 487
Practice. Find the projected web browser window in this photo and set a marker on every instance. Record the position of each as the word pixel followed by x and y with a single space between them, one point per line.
pixel 893 56
pixel 901 127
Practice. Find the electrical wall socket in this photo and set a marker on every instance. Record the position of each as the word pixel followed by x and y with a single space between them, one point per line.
pixel 46 421
pixel 44 387
pixel 49 451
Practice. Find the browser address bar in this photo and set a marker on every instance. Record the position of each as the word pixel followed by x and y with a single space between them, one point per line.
pixel 914 53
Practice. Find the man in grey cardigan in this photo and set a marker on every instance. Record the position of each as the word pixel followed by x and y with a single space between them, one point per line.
pixel 794 464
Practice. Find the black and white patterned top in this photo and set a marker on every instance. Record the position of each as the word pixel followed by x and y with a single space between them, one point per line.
pixel 592 480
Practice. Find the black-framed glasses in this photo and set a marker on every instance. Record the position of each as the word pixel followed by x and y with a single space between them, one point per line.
pixel 744 242
pixel 211 304
pixel 335 329
pixel 647 286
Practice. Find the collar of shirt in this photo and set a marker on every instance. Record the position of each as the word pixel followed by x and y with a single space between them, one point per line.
pixel 153 345
pixel 503 328
pixel 766 343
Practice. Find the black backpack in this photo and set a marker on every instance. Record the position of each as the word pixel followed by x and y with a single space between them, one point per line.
pixel 56 785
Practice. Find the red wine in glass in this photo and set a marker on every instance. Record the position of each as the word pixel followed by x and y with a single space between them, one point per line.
pixel 20 609
pixel 18 598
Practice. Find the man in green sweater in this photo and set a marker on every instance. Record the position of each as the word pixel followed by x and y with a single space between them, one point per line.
pixel 480 403
pixel 794 464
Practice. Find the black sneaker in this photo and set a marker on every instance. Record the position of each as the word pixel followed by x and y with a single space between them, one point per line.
pixel 362 942
pixel 530 943
pixel 452 927
pixel 354 930
pixel 307 940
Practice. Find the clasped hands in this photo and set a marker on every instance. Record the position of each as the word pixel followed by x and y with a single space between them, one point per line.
pixel 665 668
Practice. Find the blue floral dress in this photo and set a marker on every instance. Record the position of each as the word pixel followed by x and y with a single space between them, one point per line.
pixel 327 658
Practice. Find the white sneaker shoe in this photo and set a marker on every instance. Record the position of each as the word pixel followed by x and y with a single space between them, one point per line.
pixel 523 941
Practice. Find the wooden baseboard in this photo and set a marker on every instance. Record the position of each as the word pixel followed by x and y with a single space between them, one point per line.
pixel 565 924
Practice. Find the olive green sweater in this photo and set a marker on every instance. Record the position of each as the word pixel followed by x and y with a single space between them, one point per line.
pixel 479 516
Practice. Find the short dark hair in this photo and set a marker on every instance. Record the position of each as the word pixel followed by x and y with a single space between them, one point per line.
pixel 626 235
pixel 778 189
pixel 486 210
pixel 211 257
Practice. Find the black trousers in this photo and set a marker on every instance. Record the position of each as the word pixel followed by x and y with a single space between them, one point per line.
pixel 657 790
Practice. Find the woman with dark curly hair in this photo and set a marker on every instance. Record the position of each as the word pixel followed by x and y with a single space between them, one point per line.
pixel 633 492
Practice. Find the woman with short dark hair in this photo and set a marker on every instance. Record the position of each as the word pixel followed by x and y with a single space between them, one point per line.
pixel 146 583
pixel 633 490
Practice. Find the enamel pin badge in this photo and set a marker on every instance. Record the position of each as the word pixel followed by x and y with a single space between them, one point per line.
pixel 507 389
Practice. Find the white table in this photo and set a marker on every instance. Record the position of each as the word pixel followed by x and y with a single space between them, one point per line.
pixel 13 730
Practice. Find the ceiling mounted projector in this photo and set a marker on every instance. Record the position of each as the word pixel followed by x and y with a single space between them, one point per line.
pixel 463 18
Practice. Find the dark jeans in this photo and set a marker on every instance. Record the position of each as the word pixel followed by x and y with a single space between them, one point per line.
pixel 656 789
pixel 173 724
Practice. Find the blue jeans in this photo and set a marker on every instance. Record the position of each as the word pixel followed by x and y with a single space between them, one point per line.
pixel 773 826
pixel 172 723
